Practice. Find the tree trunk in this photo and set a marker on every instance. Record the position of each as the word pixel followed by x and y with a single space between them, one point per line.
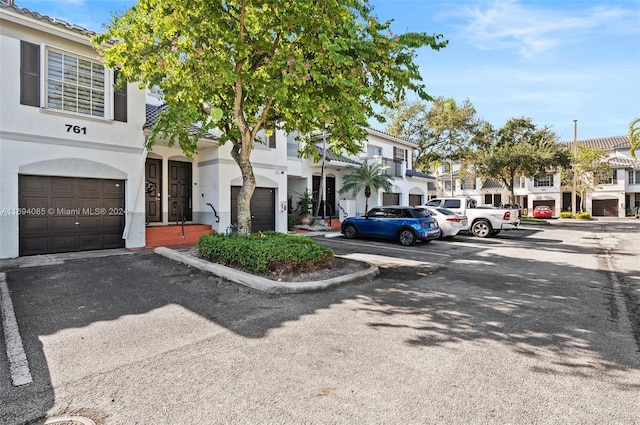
pixel 241 153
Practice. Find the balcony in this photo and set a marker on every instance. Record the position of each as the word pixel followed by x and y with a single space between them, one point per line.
pixel 393 167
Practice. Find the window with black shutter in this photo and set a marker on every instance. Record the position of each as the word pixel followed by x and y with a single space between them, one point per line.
pixel 119 100
pixel 29 74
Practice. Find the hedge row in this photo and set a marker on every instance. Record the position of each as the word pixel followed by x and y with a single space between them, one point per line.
pixel 262 252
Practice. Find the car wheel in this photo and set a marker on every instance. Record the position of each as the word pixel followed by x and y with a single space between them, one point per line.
pixel 350 231
pixel 481 228
pixel 440 235
pixel 407 237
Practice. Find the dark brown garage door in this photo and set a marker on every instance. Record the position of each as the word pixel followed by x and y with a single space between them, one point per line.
pixel 415 199
pixel 65 214
pixel 390 199
pixel 263 208
pixel 605 207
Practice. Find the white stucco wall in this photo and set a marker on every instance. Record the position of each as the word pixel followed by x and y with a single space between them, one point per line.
pixel 38 141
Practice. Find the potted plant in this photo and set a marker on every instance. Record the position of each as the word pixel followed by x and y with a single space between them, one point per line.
pixel 305 206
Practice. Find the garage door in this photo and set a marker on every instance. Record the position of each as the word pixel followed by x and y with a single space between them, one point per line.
pixel 390 199
pixel 605 207
pixel 65 214
pixel 263 208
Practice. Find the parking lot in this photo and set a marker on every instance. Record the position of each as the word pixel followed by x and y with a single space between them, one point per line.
pixel 538 325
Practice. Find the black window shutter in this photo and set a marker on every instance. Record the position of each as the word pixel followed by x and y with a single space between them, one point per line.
pixel 29 74
pixel 119 101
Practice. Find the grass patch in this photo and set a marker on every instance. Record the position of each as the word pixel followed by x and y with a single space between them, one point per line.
pixel 265 252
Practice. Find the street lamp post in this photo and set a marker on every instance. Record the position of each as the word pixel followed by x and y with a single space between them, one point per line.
pixel 575 172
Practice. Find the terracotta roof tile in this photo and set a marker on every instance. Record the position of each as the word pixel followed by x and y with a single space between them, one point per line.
pixel 46 19
pixel 607 143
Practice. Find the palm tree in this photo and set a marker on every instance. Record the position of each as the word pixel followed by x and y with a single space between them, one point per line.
pixel 634 136
pixel 368 177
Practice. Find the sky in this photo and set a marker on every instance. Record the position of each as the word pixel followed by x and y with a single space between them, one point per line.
pixel 549 60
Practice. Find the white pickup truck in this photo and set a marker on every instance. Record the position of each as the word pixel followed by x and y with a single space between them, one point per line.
pixel 484 221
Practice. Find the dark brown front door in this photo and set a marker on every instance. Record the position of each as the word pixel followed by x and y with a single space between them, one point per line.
pixel 329 209
pixel 153 190
pixel 263 208
pixel 179 191
pixel 66 214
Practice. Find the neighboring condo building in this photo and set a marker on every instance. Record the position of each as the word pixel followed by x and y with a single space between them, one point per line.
pixel 615 195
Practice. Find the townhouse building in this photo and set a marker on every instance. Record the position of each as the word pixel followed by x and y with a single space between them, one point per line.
pixel 71 146
pixel 615 195
pixel 75 174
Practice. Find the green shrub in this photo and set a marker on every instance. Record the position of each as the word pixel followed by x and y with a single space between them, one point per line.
pixel 291 221
pixel 565 214
pixel 584 216
pixel 263 252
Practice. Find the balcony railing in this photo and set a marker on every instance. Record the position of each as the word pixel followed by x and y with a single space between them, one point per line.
pixel 393 167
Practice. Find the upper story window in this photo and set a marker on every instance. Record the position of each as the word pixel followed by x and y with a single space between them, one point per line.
pixel 634 177
pixel 71 83
pixel 546 181
pixel 607 178
pixel 268 138
pixel 75 84
pixel 469 184
pixel 400 155
pixel 373 151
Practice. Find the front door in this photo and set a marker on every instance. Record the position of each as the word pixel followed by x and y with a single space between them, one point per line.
pixel 329 208
pixel 153 190
pixel 179 191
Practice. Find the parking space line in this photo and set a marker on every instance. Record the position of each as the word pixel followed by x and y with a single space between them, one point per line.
pixel 398 249
pixel 18 363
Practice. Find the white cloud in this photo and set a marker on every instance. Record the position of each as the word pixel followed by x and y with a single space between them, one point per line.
pixel 534 30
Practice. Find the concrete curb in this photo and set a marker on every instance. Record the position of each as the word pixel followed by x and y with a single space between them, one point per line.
pixel 261 283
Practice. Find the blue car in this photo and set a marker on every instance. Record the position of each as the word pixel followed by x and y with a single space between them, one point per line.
pixel 404 224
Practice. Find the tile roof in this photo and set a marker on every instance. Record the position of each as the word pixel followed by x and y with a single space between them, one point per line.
pixel 414 173
pixel 623 162
pixel 9 4
pixel 332 157
pixel 492 184
pixel 607 143
pixel 152 112
pixel 385 134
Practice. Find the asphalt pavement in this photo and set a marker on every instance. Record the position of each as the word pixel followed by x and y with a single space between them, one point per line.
pixel 534 326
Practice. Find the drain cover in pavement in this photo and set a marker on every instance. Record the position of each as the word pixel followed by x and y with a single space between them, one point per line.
pixel 69 420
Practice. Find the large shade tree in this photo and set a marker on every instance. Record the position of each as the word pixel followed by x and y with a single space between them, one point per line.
pixel 368 177
pixel 443 132
pixel 588 163
pixel 243 66
pixel 518 149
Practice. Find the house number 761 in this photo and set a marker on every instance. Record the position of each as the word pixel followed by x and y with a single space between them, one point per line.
pixel 76 129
